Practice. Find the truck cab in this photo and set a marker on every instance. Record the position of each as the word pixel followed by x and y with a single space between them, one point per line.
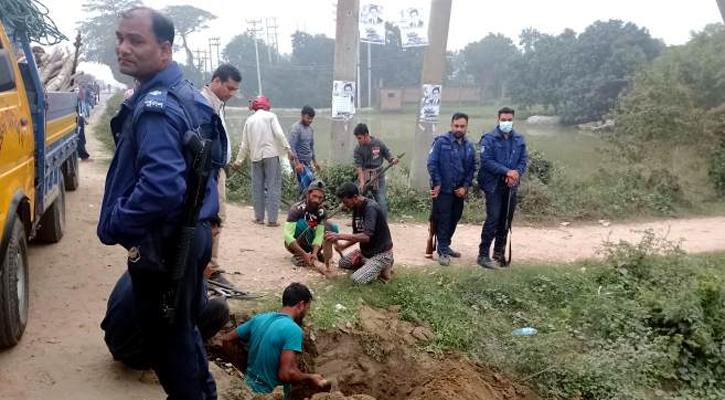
pixel 38 163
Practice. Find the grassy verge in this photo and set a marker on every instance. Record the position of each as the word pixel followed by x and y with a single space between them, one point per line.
pixel 649 322
pixel 102 130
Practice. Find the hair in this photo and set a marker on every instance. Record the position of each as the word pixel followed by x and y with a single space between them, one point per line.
pixel 226 72
pixel 347 85
pixel 459 115
pixel 361 129
pixel 506 110
pixel 294 294
pixel 162 25
pixel 309 111
pixel 347 190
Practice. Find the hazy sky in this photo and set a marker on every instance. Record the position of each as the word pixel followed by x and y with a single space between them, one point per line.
pixel 471 20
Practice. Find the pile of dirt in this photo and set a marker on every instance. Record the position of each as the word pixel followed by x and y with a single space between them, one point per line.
pixel 379 359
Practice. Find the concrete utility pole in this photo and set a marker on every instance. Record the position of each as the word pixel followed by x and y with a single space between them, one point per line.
pixel 721 5
pixel 214 42
pixel 346 53
pixel 253 30
pixel 370 79
pixel 272 37
pixel 434 65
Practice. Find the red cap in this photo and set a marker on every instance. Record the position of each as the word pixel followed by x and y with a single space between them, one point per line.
pixel 260 102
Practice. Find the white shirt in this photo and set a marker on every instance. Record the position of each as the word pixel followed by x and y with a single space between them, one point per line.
pixel 218 107
pixel 262 138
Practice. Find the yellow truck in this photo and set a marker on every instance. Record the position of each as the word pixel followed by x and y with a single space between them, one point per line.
pixel 38 163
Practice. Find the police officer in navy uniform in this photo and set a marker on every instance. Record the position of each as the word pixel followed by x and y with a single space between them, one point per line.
pixel 451 164
pixel 145 194
pixel 503 162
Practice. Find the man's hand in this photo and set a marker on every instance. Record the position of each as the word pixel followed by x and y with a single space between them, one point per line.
pixel 395 161
pixel 513 174
pixel 460 192
pixel 235 166
pixel 332 236
pixel 299 167
pixel 360 186
pixel 316 165
pixel 435 192
pixel 308 258
pixel 319 381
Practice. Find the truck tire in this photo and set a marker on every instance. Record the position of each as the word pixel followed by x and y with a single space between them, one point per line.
pixel 52 223
pixel 14 288
pixel 71 173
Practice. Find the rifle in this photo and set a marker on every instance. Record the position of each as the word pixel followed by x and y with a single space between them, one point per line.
pixel 228 291
pixel 432 242
pixel 509 232
pixel 200 150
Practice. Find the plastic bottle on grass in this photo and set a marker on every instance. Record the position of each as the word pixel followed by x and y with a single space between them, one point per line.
pixel 525 331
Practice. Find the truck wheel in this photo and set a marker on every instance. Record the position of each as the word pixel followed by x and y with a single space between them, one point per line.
pixel 14 288
pixel 52 223
pixel 71 173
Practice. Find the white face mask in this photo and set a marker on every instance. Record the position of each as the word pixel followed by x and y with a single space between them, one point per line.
pixel 506 126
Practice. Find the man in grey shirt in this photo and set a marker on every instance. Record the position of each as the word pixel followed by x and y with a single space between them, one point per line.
pixel 302 142
pixel 369 156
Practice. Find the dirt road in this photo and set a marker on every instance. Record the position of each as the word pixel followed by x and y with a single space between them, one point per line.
pixel 62 355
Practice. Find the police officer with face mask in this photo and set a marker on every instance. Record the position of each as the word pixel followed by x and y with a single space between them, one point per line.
pixel 503 163
pixel 145 200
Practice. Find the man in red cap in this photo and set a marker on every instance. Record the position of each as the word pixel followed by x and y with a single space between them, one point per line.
pixel 264 142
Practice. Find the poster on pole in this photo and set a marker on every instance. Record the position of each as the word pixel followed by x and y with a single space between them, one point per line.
pixel 343 99
pixel 430 109
pixel 413 24
pixel 372 23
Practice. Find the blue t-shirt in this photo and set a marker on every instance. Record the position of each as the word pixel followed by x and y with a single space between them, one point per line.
pixel 268 335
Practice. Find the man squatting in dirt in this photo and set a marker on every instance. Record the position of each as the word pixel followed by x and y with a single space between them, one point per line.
pixel 374 259
pixel 123 335
pixel 305 228
pixel 275 342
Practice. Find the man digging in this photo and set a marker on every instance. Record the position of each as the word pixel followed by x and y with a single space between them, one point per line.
pixel 305 228
pixel 374 259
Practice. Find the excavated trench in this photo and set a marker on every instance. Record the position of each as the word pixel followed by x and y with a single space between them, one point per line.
pixel 378 360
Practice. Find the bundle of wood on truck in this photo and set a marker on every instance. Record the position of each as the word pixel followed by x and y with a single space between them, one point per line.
pixel 56 69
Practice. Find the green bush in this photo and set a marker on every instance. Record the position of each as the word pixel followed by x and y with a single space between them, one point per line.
pixel 102 130
pixel 646 322
pixel 716 171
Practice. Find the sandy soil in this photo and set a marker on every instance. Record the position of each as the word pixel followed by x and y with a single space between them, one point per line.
pixel 62 355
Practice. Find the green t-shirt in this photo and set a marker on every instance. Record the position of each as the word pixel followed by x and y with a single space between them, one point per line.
pixel 268 335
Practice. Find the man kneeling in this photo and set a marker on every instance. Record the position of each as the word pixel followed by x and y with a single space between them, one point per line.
pixel 306 225
pixel 374 259
pixel 275 341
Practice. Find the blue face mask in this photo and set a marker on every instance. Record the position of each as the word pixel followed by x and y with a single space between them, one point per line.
pixel 506 126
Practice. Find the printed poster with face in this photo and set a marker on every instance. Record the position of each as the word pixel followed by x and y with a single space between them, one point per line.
pixel 343 99
pixel 413 24
pixel 430 104
pixel 372 22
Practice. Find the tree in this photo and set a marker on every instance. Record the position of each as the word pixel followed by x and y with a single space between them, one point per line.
pixel 187 20
pixel 99 38
pixel 489 62
pixel 240 53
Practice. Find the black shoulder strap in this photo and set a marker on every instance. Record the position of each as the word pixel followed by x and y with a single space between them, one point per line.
pixel 187 104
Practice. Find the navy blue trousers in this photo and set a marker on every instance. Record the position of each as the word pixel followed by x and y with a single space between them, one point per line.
pixel 176 351
pixel 494 228
pixel 447 211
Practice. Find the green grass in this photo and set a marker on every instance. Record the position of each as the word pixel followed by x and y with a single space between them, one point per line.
pixel 637 326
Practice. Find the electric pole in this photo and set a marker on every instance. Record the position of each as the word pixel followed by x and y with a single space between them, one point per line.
pixel 434 64
pixel 346 55
pixel 721 5
pixel 272 45
pixel 253 31
pixel 370 78
pixel 214 42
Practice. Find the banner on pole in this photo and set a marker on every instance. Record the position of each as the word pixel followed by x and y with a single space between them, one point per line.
pixel 372 22
pixel 413 24
pixel 343 99
pixel 430 104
